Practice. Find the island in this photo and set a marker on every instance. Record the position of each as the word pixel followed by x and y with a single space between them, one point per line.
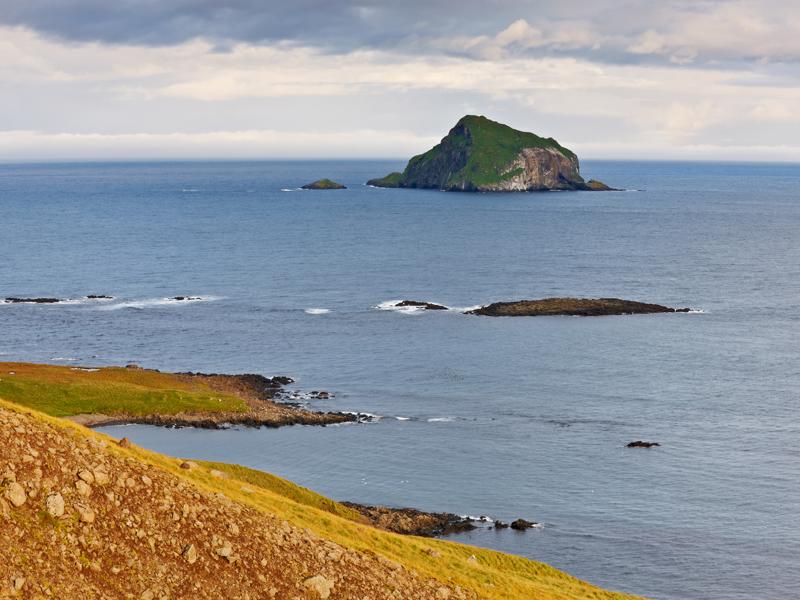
pixel 324 184
pixel 481 155
pixel 579 307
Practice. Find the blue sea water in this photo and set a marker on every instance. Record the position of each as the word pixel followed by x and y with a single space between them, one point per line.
pixel 523 417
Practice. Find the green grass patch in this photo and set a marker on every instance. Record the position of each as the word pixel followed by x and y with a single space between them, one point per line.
pixel 66 391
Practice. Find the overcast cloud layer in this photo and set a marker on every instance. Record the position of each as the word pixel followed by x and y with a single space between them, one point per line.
pixel 311 78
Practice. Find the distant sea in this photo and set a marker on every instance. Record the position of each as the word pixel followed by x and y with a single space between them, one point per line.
pixel 506 417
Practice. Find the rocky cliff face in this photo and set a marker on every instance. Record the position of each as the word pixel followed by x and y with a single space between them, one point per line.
pixel 480 155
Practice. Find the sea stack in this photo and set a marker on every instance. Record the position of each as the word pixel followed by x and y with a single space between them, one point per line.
pixel 481 155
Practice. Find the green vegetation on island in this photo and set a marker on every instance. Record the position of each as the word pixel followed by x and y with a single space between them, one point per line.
pixel 479 154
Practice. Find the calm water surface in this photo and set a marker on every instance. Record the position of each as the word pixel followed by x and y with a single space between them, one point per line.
pixel 506 417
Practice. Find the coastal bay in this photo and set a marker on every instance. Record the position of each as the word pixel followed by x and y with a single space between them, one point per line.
pixel 559 398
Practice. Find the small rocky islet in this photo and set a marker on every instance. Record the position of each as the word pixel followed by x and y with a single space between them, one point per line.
pixel 577 307
pixel 324 184
pixel 481 155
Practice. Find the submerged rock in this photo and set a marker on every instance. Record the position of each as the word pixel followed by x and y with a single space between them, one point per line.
pixel 32 300
pixel 582 307
pixel 641 444
pixel 419 304
pixel 324 184
pixel 522 524
pixel 481 155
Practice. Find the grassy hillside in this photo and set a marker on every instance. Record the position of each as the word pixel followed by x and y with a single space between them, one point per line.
pixel 476 572
pixel 66 391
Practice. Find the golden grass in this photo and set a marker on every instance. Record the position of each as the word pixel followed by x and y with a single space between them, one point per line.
pixel 65 391
pixel 493 575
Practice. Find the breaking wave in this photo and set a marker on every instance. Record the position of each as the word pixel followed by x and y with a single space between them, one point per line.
pixel 158 302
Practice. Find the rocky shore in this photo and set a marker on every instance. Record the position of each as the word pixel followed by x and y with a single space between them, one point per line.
pixel 410 521
pixel 256 390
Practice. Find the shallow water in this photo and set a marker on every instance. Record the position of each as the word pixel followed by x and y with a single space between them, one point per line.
pixel 505 417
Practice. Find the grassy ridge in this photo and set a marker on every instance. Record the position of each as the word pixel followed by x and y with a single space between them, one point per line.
pixel 67 391
pixel 493 575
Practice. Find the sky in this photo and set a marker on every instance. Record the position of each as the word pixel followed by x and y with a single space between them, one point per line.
pixel 94 79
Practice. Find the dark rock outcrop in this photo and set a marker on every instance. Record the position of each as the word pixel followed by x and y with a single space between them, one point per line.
pixel 583 307
pixel 419 304
pixel 641 444
pixel 411 521
pixel 522 524
pixel 324 184
pixel 480 155
pixel 32 300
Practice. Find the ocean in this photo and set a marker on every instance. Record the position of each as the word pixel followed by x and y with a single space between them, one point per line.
pixel 506 417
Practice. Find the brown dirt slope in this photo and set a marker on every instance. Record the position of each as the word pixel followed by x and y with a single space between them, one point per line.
pixel 81 518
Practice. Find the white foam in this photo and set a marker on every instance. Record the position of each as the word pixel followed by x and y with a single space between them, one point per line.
pixel 190 190
pixel 392 305
pixel 156 302
pixel 480 519
pixel 317 311
pixel 367 417
pixel 440 420
pixel 464 309
pixel 403 418
pixel 696 311
pixel 65 359
pixel 292 190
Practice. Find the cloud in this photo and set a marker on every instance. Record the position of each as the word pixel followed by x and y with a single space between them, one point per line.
pixel 653 80
pixel 34 145
pixel 612 31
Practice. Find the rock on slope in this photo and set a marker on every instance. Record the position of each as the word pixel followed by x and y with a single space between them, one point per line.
pixel 482 155
pixel 84 519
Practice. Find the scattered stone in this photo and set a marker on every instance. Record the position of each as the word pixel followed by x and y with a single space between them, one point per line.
pixel 100 477
pixel 147 481
pixel 216 473
pixel 319 584
pixel 641 444
pixel 188 464
pixel 15 494
pixel 147 595
pixel 473 560
pixel 55 505
pixel 225 550
pixel 190 554
pixel 125 442
pixel 86 514
pixel 84 489
pixel 87 476
pixel 498 524
pixel 19 583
